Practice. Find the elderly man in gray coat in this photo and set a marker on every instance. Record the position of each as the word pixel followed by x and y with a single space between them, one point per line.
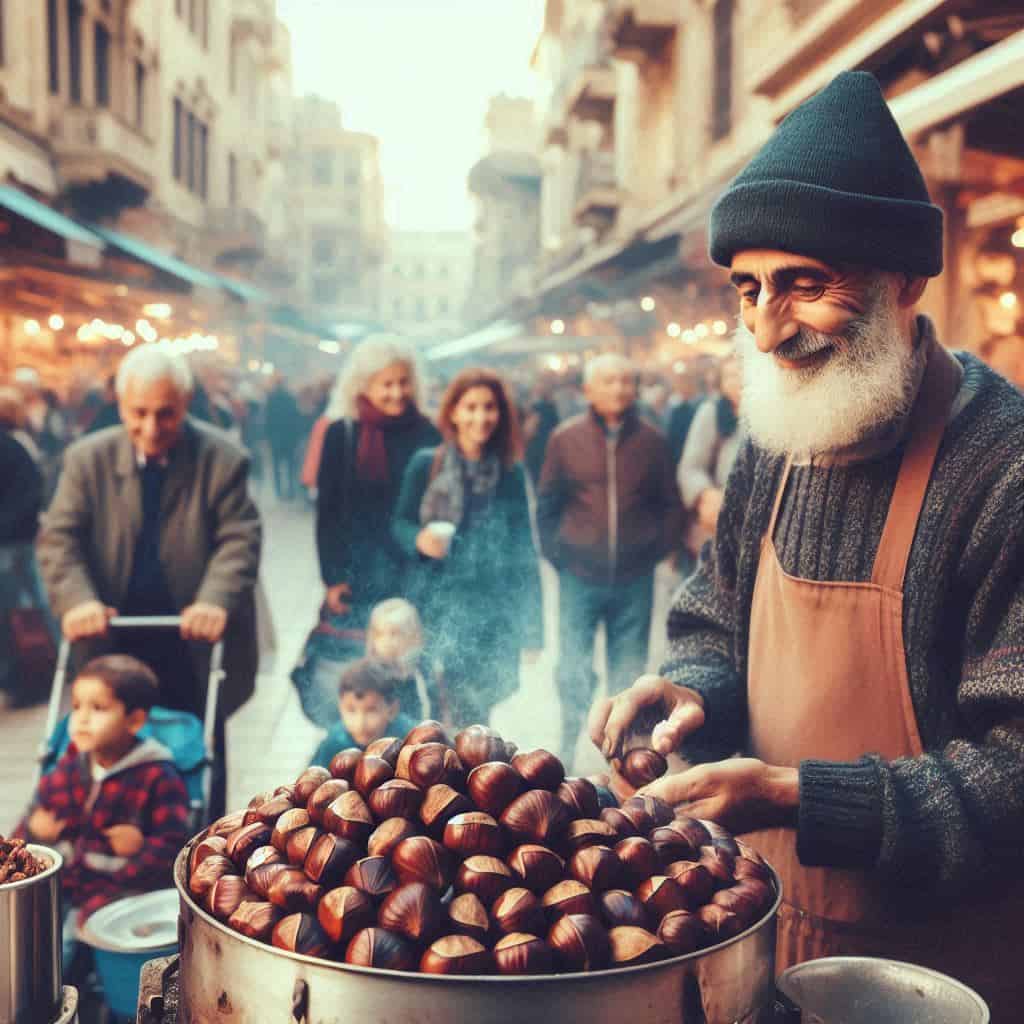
pixel 154 517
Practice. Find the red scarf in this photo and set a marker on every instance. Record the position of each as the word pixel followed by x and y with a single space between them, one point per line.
pixel 372 454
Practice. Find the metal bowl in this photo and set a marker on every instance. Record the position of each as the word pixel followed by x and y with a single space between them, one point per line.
pixel 229 978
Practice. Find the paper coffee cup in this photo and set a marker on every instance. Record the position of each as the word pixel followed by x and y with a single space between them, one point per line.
pixel 445 531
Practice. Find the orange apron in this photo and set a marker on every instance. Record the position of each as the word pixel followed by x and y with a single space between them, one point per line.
pixel 828 680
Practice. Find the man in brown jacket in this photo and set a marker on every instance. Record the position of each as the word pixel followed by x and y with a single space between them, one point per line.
pixel 154 517
pixel 607 512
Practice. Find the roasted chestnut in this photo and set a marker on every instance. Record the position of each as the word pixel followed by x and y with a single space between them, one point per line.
pixel 428 731
pixel 589 832
pixel 694 879
pixel 388 834
pixel 747 852
pixel 344 911
pixel 518 910
pixel 270 810
pixel 749 900
pixel 568 897
pixel 720 864
pixel 299 843
pixel 661 812
pixel 493 785
pixel 631 946
pixel 579 943
pixel 370 773
pixel 440 804
pixel 421 859
pixel 638 858
pixel 521 953
pixel 372 875
pixel 746 869
pixel 387 747
pixel 477 744
pixel 618 907
pixel 468 916
pixel 226 895
pixel 396 798
pixel 226 825
pixel 343 764
pixel 660 895
pixel 580 796
pixel 596 867
pixel 486 877
pixel 414 910
pixel 682 932
pixel 671 845
pixel 537 866
pixel 430 764
pixel 642 766
pixel 289 822
pixel 473 832
pixel 306 784
pixel 624 828
pixel 692 829
pixel 255 919
pixel 456 954
pixel 378 947
pixel 323 796
pixel 215 866
pixel 329 858
pixel 349 817
pixel 537 816
pixel 204 848
pixel 719 923
pixel 293 892
pixel 540 768
pixel 300 933
pixel 260 876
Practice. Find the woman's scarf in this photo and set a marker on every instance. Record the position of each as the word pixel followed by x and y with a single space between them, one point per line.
pixel 457 478
pixel 372 453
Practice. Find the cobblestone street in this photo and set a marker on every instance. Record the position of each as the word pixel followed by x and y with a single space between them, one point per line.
pixel 270 740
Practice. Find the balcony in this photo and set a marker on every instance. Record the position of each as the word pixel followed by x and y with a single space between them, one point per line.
pixel 642 28
pixel 597 191
pixel 235 234
pixel 98 153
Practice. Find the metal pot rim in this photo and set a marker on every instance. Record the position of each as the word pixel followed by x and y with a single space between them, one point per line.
pixel 416 977
pixel 37 850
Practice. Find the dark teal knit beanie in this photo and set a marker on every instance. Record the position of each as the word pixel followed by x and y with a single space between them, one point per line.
pixel 837 181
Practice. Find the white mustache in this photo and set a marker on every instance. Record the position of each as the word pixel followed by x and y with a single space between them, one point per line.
pixel 804 344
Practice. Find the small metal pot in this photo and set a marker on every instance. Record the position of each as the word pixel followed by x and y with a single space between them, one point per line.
pixel 30 940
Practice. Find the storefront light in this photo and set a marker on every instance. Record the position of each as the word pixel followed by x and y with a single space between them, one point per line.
pixel 157 310
pixel 720 327
pixel 85 333
pixel 674 330
pixel 555 363
pixel 332 348
pixel 127 338
pixel 679 366
pixel 702 330
pixel 267 369
pixel 647 304
pixel 1008 300
pixel 56 322
pixel 1017 238
pixel 31 327
pixel 254 365
pixel 113 332
pixel 558 327
pixel 689 336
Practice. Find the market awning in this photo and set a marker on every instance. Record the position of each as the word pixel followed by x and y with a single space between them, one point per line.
pixel 493 334
pixel 163 262
pixel 81 246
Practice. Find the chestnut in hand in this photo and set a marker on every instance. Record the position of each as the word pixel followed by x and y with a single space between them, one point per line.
pixel 638 858
pixel 493 785
pixel 344 911
pixel 537 816
pixel 618 907
pixel 579 943
pixel 596 867
pixel 631 946
pixel 682 932
pixel 300 933
pixel 568 897
pixel 414 910
pixel 540 768
pixel 580 796
pixel 329 858
pixel 518 910
pixel 370 773
pixel 307 783
pixel 396 798
pixel 292 891
pixel 537 866
pixel 323 796
pixel 255 919
pixel 468 916
pixel 388 834
pixel 642 766
pixel 421 859
pixel 522 953
pixel 473 832
pixel 486 877
pixel 383 949
pixel 456 954
pixel 372 875
pixel 343 764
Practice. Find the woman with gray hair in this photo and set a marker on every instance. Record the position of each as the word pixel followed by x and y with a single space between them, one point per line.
pixel 376 430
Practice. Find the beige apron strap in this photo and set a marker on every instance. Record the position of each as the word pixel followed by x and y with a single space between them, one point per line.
pixel 927 426
pixel 778 498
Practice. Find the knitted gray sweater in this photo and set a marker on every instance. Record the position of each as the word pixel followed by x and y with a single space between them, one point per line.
pixel 958 809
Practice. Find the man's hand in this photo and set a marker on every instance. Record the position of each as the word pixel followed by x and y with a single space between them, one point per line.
pixel 87 620
pixel 612 719
pixel 45 826
pixel 741 794
pixel 337 598
pixel 203 622
pixel 428 543
pixel 125 840
pixel 709 505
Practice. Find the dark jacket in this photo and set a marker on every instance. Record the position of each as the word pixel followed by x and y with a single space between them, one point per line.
pixel 21 492
pixel 491 573
pixel 338 738
pixel 607 509
pixel 353 516
pixel 283 419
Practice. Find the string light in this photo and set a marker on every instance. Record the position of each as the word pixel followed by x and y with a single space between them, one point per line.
pixel 720 327
pixel 674 330
pixel 701 330
pixel 31 327
pixel 647 304
pixel 56 322
pixel 1017 238
pixel 558 327
pixel 1008 300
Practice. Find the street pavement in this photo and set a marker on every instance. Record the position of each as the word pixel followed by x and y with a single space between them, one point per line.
pixel 269 740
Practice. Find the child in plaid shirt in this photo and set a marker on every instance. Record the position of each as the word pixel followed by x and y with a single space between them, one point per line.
pixel 114 804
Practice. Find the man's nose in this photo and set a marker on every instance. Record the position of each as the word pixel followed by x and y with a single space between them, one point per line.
pixel 773 323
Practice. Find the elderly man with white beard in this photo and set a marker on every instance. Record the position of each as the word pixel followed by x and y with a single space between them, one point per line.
pixel 855 631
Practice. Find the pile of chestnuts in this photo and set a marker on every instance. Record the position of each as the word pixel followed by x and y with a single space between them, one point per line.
pixel 18 862
pixel 467 857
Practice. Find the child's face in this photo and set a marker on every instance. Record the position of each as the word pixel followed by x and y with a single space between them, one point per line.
pixel 366 715
pixel 100 723
pixel 390 642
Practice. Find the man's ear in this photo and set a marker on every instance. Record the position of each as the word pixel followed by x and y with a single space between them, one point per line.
pixel 910 291
pixel 137 719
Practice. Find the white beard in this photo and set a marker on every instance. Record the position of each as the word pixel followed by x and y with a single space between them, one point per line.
pixel 863 389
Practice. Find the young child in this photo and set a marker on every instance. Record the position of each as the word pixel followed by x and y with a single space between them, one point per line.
pixel 368 703
pixel 115 805
pixel 394 636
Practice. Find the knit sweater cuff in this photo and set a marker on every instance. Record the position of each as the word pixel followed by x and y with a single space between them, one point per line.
pixel 840 814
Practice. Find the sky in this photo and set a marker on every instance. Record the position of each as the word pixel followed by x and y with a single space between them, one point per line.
pixel 418 74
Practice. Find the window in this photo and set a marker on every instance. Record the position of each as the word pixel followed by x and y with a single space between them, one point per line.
pixel 232 179
pixel 140 95
pixel 190 151
pixel 721 99
pixel 202 158
pixel 53 45
pixel 323 166
pixel 178 159
pixel 101 63
pixel 75 49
